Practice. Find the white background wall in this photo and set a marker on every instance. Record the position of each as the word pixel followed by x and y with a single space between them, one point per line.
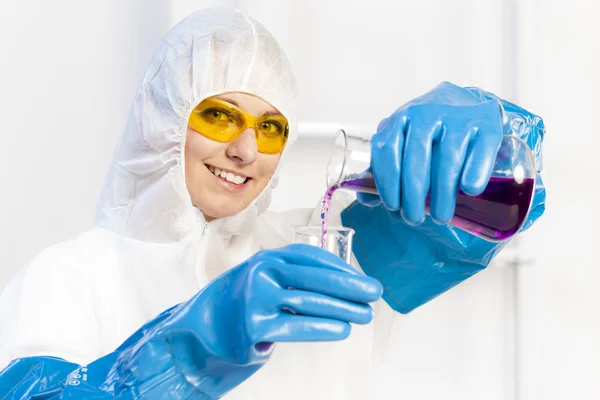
pixel 559 77
pixel 69 69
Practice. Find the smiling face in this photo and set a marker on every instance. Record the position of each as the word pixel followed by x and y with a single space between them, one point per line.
pixel 224 178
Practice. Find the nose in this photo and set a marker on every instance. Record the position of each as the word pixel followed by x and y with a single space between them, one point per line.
pixel 243 149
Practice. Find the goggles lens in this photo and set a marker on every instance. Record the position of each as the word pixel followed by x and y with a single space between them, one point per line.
pixel 223 122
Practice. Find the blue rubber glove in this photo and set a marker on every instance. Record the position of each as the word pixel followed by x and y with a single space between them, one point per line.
pixel 212 343
pixel 446 138
pixel 437 141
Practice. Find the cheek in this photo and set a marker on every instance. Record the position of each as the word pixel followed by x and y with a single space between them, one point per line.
pixel 269 163
pixel 198 148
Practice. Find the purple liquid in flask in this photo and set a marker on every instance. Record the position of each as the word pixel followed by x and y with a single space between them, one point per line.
pixel 496 214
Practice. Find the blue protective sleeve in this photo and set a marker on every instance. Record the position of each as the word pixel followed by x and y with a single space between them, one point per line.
pixel 416 264
pixel 54 378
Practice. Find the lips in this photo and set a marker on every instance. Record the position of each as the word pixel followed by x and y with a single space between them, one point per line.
pixel 227 175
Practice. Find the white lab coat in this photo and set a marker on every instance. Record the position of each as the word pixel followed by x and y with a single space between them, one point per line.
pixel 151 249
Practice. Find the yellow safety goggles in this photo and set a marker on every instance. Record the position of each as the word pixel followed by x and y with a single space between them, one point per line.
pixel 223 122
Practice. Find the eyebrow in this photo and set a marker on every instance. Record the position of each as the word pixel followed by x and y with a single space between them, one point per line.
pixel 265 114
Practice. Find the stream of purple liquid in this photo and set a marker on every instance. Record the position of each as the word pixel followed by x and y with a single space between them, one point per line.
pixel 496 214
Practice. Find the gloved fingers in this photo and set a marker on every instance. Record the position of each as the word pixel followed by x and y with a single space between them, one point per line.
pixel 368 199
pixel 446 168
pixel 356 288
pixel 307 255
pixel 416 168
pixel 301 328
pixel 479 163
pixel 319 305
pixel 383 123
pixel 386 159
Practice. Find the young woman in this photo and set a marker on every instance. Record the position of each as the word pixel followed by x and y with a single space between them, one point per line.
pixel 187 286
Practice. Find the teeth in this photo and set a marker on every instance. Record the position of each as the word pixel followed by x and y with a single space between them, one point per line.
pixel 228 176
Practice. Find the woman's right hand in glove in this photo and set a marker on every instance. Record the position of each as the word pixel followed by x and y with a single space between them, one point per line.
pixel 225 333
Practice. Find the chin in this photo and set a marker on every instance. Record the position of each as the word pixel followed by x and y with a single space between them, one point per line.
pixel 223 205
pixel 223 211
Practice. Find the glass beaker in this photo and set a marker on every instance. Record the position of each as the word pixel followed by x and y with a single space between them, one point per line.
pixel 495 215
pixel 337 240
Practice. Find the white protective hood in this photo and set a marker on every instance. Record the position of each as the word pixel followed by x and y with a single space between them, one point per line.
pixel 208 53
